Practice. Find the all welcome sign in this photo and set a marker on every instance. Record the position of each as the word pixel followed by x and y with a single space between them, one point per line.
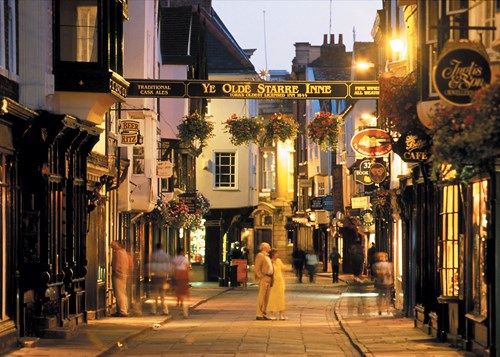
pixel 462 69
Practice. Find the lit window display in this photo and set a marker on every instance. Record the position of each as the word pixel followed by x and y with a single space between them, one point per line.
pixel 449 247
pixel 479 235
pixel 197 250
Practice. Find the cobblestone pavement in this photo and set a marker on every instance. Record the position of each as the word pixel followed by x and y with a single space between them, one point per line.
pixel 325 319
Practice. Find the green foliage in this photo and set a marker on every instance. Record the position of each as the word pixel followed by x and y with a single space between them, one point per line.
pixel 467 137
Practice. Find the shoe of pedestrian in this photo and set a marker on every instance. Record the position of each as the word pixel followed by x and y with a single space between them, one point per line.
pixel 153 310
pixel 116 314
pixel 165 311
pixel 185 311
pixel 262 318
pixel 283 317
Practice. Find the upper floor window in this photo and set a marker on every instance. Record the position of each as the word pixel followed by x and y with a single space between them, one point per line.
pixel 78 30
pixel 268 167
pixel 8 35
pixel 225 170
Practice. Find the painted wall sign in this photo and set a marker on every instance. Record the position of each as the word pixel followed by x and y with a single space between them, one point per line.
pixel 372 142
pixel 462 69
pixel 253 90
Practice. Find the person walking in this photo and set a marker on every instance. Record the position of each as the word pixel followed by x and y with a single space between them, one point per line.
pixel 119 275
pixel 299 260
pixel 335 260
pixel 181 279
pixel 311 264
pixel 159 267
pixel 263 277
pixel 276 303
pixel 371 254
pixel 382 270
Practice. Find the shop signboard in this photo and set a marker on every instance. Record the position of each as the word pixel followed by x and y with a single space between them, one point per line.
pixel 328 203
pixel 362 175
pixel 316 203
pixel 461 70
pixel 377 172
pixel 372 142
pixel 130 132
pixel 413 147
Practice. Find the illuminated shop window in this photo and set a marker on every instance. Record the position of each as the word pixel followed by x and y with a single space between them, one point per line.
pixel 479 235
pixel 268 171
pixel 449 253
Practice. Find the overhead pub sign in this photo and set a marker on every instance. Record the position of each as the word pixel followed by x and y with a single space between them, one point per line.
pixel 462 69
pixel 253 90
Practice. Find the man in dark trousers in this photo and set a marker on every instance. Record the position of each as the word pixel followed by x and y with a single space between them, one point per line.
pixel 299 260
pixel 335 259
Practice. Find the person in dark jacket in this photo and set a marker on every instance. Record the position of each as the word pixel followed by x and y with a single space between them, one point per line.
pixel 335 260
pixel 298 260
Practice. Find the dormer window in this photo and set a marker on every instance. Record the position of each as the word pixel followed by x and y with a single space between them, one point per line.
pixel 78 29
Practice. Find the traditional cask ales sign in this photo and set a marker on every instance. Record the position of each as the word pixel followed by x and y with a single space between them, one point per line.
pixel 462 69
pixel 253 90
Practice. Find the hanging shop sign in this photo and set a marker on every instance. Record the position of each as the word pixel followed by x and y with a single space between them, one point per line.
pixel 360 202
pixel 362 175
pixel 316 203
pixel 372 142
pixel 461 70
pixel 253 90
pixel 129 132
pixel 366 217
pixel 328 203
pixel 189 200
pixel 377 172
pixel 164 169
pixel 413 147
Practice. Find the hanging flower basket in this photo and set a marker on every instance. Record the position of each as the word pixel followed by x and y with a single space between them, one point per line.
pixel 381 202
pixel 398 102
pixel 324 130
pixel 466 138
pixel 177 214
pixel 281 128
pixel 195 128
pixel 243 130
pixel 202 205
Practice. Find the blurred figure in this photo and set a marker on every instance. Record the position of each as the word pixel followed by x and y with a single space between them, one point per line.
pixel 357 258
pixel 120 270
pixel 276 303
pixel 371 253
pixel 263 276
pixel 311 264
pixel 159 266
pixel 384 281
pixel 299 260
pixel 335 261
pixel 181 279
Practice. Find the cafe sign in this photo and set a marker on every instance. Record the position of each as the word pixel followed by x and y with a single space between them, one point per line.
pixel 372 142
pixel 412 147
pixel 462 69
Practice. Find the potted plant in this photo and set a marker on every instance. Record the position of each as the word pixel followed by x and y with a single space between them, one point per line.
pixel 324 130
pixel 466 139
pixel 381 202
pixel 195 128
pixel 281 128
pixel 243 130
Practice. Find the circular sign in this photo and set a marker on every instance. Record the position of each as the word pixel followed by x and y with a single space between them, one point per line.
pixel 372 142
pixel 366 217
pixel 377 172
pixel 459 74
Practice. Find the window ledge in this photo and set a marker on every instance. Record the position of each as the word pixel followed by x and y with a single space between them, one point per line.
pixel 447 299
pixel 474 316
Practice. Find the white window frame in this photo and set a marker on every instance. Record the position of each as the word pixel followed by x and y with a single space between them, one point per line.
pixel 233 185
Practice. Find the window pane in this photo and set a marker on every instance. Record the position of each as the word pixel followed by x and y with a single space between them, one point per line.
pixel 225 170
pixel 78 30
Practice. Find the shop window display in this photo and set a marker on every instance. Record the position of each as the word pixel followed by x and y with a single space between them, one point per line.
pixel 450 241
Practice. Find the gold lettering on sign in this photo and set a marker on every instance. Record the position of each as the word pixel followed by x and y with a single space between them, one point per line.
pixel 462 79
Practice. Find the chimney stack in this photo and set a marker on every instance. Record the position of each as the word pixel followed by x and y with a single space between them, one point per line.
pixel 332 39
pixel 341 39
pixel 325 39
